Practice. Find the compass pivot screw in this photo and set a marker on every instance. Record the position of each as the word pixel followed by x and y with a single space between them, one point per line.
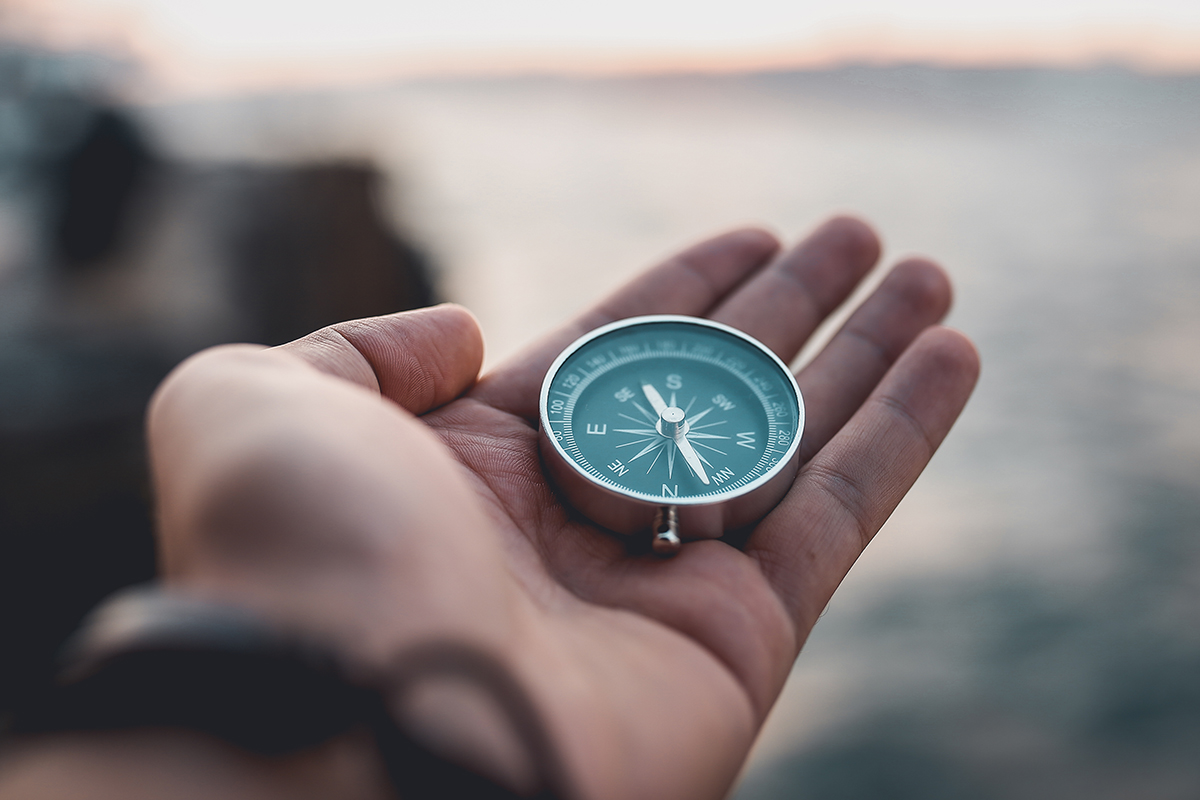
pixel 671 422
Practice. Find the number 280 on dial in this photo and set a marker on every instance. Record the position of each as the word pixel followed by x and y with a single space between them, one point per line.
pixel 671 414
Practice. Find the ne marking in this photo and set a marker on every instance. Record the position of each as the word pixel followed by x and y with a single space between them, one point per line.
pixel 618 468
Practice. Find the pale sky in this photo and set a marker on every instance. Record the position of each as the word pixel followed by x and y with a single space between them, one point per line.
pixel 238 39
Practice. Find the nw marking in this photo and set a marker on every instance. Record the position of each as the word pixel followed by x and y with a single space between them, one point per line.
pixel 722 476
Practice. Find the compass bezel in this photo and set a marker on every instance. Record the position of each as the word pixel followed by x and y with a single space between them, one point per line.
pixel 700 516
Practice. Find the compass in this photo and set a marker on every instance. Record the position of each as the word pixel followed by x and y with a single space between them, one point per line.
pixel 677 425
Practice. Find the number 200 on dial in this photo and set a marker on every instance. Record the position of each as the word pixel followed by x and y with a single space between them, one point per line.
pixel 674 413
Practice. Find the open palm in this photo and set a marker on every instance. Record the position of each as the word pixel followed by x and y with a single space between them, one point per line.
pixel 285 480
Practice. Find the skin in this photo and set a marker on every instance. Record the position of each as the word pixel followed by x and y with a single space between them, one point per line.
pixel 364 484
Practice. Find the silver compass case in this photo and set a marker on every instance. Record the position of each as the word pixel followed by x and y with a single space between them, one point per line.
pixel 631 512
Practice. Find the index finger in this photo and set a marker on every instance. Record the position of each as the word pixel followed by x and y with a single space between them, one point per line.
pixel 691 283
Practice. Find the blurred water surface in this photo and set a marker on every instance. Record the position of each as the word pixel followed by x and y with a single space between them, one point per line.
pixel 1027 623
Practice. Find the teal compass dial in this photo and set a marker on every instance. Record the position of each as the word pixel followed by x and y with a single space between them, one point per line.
pixel 668 412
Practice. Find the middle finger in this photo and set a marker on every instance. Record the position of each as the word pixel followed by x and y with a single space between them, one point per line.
pixel 784 303
pixel 914 295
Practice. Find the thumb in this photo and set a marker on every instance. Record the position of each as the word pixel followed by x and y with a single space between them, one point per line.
pixel 418 359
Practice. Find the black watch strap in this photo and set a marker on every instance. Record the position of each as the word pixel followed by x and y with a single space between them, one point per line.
pixel 147 658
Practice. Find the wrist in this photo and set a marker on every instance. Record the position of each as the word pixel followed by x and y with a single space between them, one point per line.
pixel 176 763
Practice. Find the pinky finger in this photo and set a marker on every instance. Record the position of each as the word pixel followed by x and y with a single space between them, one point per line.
pixel 848 490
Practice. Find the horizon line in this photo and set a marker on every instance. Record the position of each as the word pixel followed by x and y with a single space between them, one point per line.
pixel 164 72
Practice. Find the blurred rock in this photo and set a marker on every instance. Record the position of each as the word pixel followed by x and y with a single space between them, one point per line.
pixel 306 247
pixel 95 183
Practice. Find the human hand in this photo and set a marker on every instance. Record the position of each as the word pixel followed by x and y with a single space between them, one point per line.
pixel 362 483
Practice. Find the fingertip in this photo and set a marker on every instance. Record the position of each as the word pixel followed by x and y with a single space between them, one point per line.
pixel 461 326
pixel 948 354
pixel 734 253
pixel 923 285
pixel 854 237
pixel 755 239
pixel 424 358
pixel 420 359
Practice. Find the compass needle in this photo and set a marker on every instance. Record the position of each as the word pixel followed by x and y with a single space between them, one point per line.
pixel 692 458
pixel 655 399
pixel 649 416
